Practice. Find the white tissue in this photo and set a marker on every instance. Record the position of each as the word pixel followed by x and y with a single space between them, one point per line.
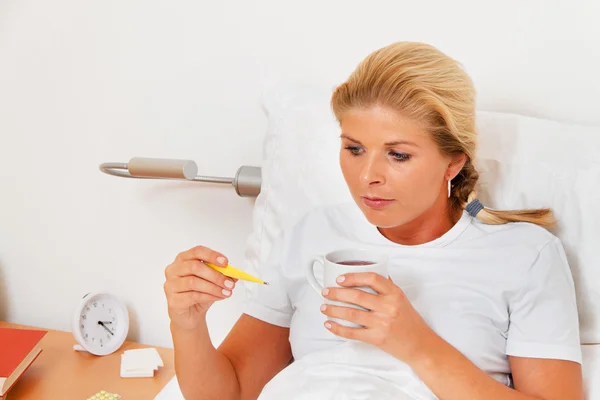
pixel 140 363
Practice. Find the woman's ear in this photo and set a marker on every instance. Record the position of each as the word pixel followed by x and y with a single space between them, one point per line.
pixel 456 164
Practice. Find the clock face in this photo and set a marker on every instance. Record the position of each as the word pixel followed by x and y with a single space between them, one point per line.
pixel 102 323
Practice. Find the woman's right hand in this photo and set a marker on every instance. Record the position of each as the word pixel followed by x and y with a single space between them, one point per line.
pixel 192 287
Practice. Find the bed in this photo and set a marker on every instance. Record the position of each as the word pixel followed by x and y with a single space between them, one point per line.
pixel 524 162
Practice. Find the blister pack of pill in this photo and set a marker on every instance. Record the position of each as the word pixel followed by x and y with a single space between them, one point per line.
pixel 104 395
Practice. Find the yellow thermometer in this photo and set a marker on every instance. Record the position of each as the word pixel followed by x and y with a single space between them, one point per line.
pixel 236 273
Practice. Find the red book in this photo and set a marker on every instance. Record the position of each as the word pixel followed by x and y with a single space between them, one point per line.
pixel 18 350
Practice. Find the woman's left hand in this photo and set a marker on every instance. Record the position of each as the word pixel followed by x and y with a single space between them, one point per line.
pixel 393 324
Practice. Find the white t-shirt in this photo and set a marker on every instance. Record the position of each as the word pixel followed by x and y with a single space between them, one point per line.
pixel 489 290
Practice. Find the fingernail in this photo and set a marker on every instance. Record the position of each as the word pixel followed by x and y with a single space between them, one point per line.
pixel 325 292
pixel 323 307
pixel 221 260
pixel 341 279
pixel 229 284
pixel 226 292
pixel 327 325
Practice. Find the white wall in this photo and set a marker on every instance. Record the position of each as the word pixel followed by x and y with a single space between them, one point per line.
pixel 82 83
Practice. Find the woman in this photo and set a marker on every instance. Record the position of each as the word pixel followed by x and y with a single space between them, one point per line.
pixel 480 303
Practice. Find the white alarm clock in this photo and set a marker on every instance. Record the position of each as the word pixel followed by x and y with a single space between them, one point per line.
pixel 100 324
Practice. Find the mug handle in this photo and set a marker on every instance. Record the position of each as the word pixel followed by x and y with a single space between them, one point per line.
pixel 310 273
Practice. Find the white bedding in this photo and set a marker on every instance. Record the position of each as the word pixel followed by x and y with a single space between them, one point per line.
pixel 350 371
pixel 311 384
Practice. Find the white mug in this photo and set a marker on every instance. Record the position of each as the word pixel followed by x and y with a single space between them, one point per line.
pixel 354 260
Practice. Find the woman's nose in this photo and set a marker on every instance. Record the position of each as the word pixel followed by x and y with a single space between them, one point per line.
pixel 372 172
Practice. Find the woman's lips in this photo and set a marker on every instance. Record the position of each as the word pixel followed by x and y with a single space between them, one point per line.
pixel 376 203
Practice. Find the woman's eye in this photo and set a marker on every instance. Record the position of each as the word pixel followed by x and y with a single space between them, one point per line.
pixel 355 150
pixel 400 157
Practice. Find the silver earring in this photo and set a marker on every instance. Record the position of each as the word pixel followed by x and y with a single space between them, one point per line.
pixel 449 187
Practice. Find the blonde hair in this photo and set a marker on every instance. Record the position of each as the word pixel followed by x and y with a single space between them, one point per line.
pixel 424 84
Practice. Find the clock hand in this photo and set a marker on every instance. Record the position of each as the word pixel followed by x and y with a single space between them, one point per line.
pixel 107 322
pixel 104 326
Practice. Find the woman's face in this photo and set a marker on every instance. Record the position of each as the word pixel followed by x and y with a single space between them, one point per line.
pixel 393 169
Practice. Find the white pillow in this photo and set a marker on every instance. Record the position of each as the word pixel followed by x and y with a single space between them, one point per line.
pixel 523 162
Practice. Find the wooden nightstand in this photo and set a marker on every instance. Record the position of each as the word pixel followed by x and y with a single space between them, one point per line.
pixel 62 373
